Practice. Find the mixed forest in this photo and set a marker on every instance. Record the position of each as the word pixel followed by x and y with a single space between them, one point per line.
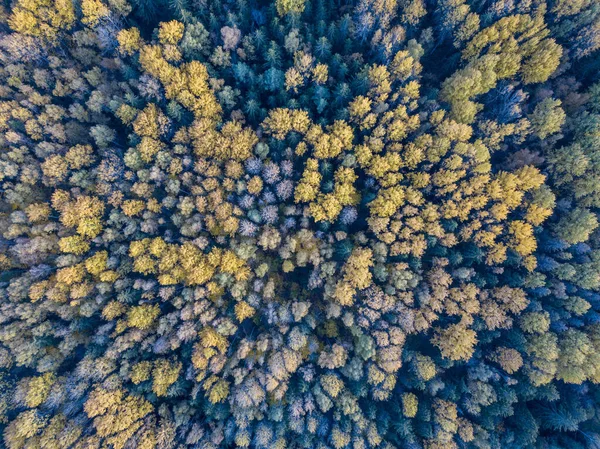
pixel 294 224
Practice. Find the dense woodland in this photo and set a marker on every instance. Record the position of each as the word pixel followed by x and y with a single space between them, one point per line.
pixel 329 224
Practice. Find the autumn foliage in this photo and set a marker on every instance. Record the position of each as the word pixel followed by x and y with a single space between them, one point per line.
pixel 299 224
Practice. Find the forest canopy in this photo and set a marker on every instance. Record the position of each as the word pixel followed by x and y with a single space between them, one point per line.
pixel 328 224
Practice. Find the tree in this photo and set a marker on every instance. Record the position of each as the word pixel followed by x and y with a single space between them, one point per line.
pixel 285 7
pixel 456 342
pixel 42 18
pixel 116 415
pixel 577 225
pixel 547 118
